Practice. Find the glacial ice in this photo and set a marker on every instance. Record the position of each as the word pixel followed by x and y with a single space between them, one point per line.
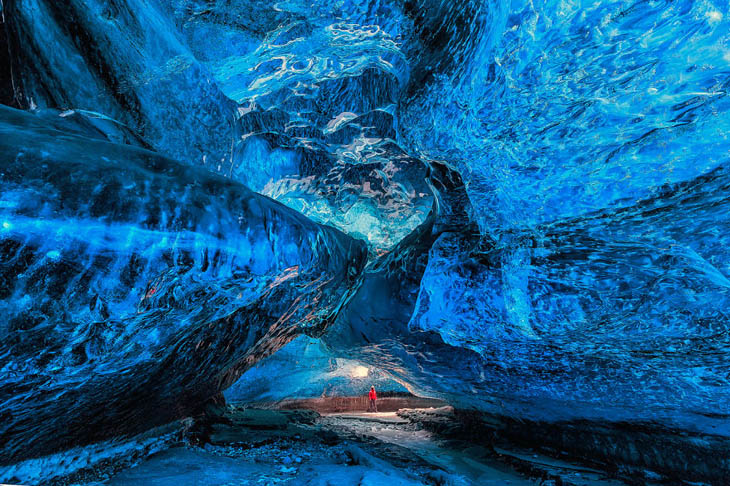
pixel 520 207
pixel 125 60
pixel 561 108
pixel 305 367
pixel 140 287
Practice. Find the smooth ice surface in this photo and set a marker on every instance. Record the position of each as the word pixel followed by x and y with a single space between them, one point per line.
pixel 123 59
pixel 306 368
pixel 541 187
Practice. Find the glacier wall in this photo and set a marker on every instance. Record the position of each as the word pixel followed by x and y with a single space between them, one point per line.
pixel 125 60
pixel 134 288
pixel 562 108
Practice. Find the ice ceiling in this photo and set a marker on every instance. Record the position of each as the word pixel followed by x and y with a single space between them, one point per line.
pixel 520 206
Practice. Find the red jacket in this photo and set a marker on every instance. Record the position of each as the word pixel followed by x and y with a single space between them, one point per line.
pixel 373 395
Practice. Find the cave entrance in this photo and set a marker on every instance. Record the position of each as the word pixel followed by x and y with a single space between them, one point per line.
pixel 305 374
pixel 388 402
pixel 347 388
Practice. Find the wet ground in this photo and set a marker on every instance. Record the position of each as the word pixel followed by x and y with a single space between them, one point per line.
pixel 254 447
pixel 464 461
pixel 468 465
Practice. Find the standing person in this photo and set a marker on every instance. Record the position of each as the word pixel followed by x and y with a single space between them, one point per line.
pixel 373 407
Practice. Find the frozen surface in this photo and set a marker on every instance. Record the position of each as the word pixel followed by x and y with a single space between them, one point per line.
pixel 306 368
pixel 520 207
pixel 123 59
pixel 555 109
pixel 140 287
pixel 364 449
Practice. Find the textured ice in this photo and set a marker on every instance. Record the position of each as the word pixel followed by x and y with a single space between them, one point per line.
pixel 123 59
pixel 137 286
pixel 317 87
pixel 306 368
pixel 541 187
pixel 561 108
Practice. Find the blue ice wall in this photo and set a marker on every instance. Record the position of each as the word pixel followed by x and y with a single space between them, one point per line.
pixel 124 60
pixel 305 368
pixel 592 139
pixel 558 109
pixel 135 287
pixel 541 187
pixel 318 86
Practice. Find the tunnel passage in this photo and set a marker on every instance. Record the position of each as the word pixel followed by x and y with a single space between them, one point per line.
pixel 519 208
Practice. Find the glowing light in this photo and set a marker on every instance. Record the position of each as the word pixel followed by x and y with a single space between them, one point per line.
pixel 359 372
pixel 714 16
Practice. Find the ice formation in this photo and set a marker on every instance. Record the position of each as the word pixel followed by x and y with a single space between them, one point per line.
pixel 520 207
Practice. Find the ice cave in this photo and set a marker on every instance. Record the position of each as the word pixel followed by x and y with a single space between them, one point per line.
pixel 365 242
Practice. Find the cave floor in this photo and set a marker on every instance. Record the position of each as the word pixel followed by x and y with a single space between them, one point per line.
pixel 255 447
pixel 463 461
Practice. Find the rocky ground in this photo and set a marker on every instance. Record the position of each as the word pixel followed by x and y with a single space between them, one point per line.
pixel 235 446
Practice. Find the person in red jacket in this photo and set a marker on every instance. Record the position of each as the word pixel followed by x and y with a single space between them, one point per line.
pixel 373 397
